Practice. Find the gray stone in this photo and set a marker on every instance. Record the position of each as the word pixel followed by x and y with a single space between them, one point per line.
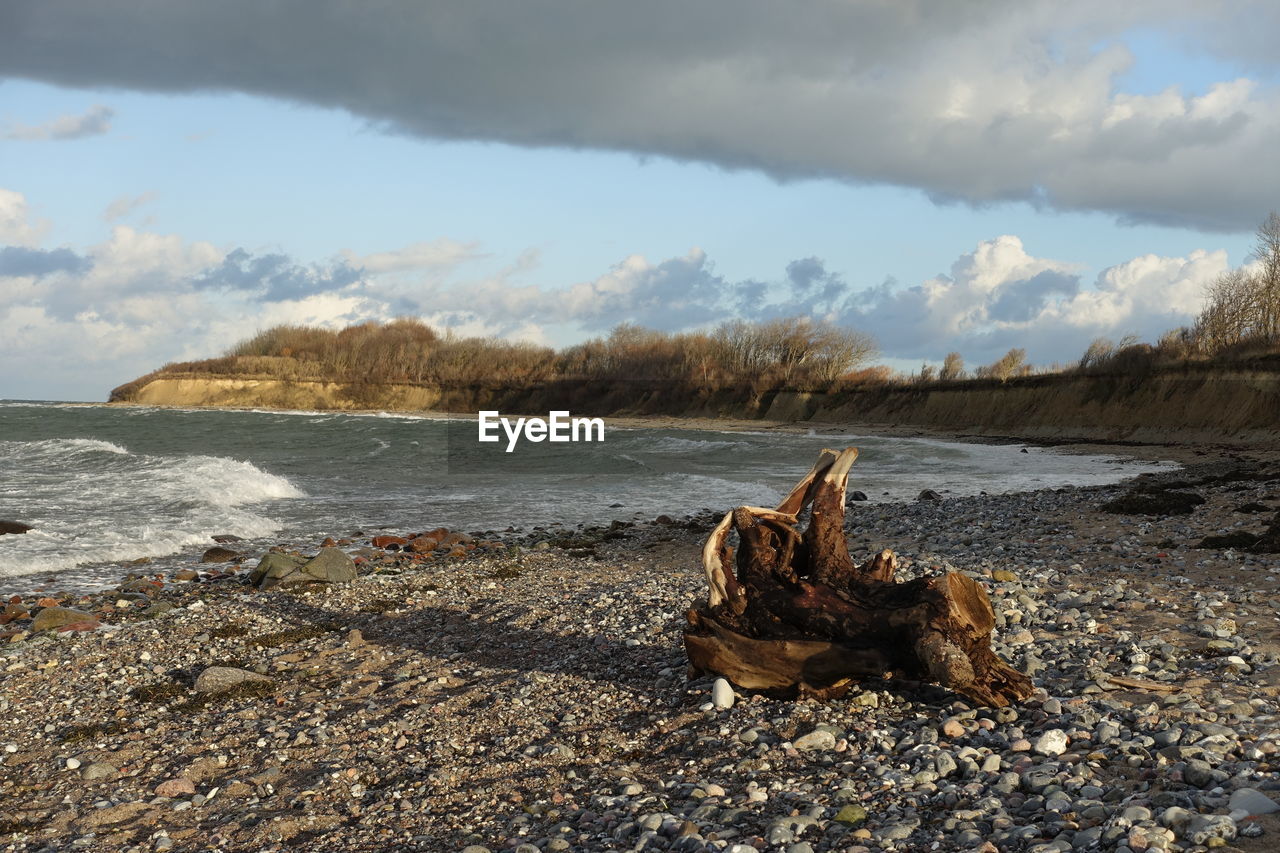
pixel 1253 801
pixel 722 694
pixel 217 679
pixel 818 739
pixel 897 831
pixel 1205 827
pixel 331 565
pixel 99 770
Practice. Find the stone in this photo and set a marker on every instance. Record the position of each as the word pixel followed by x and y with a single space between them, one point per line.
pixel 1003 576
pixel 55 618
pixel 1051 743
pixel 218 679
pixel 1252 801
pixel 1206 828
pixel 721 694
pixel 388 541
pixel 851 815
pixel 273 567
pixel 218 554
pixel 331 565
pixel 857 496
pixel 14 528
pixel 928 495
pixel 176 787
pixel 99 770
pixel 818 739
pixel 953 728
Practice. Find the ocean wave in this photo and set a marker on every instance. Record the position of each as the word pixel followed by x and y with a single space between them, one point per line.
pixel 93 501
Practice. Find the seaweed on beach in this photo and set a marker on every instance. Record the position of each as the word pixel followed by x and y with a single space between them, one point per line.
pixel 1154 502
pixel 292 635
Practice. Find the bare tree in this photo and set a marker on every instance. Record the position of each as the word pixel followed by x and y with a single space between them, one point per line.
pixel 1013 363
pixel 952 367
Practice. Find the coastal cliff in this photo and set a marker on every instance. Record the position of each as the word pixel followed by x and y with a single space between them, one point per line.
pixel 1188 403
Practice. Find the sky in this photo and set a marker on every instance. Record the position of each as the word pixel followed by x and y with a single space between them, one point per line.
pixel 968 176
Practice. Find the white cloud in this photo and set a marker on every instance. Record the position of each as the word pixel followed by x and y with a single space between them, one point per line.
pixel 17 228
pixel 95 122
pixel 79 322
pixel 126 205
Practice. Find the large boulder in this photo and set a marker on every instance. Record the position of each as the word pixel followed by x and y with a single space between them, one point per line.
pixel 331 565
pixel 14 527
pixel 53 618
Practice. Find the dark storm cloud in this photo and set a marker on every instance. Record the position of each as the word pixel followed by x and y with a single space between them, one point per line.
pixel 975 101
pixel 19 261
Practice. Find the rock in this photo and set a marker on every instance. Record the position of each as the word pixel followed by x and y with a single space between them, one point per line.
pixel 1051 743
pixel 273 568
pixel 1252 801
pixel 1003 576
pixel 73 764
pixel 1203 828
pixel 331 565
pixel 99 770
pixel 818 739
pixel 857 496
pixel 928 495
pixel 14 527
pixel 57 618
pixel 851 815
pixel 388 541
pixel 226 538
pixel 953 728
pixel 176 787
pixel 722 694
pixel 218 679
pixel 218 554
pixel 422 545
pixel 186 575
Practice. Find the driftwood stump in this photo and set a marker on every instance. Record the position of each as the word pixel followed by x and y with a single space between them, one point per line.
pixel 798 614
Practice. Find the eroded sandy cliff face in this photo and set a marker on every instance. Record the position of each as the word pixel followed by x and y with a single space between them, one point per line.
pixel 1192 404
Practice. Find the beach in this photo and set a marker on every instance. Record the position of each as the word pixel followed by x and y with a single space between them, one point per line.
pixel 532 694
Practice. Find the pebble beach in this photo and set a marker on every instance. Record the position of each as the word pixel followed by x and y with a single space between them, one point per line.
pixel 527 691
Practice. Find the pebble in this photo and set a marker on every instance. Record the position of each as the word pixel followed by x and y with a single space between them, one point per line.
pixel 722 694
pixel 1051 743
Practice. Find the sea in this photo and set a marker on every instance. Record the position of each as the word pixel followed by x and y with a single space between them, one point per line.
pixel 106 485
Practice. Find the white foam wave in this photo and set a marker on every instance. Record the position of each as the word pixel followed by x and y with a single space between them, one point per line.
pixel 93 502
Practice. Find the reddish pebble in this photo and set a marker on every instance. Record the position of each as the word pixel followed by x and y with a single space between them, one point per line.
pixel 175 787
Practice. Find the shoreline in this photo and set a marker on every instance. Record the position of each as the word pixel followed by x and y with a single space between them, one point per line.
pixel 538 697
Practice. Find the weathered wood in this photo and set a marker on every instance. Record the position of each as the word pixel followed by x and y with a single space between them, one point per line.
pixel 798 613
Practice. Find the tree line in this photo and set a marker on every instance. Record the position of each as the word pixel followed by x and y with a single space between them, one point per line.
pixel 793 352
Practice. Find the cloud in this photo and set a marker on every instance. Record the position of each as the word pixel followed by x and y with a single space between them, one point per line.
pixel 126 205
pixel 95 122
pixel 275 277
pixel 977 102
pixel 16 261
pixel 17 228
pixel 80 320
